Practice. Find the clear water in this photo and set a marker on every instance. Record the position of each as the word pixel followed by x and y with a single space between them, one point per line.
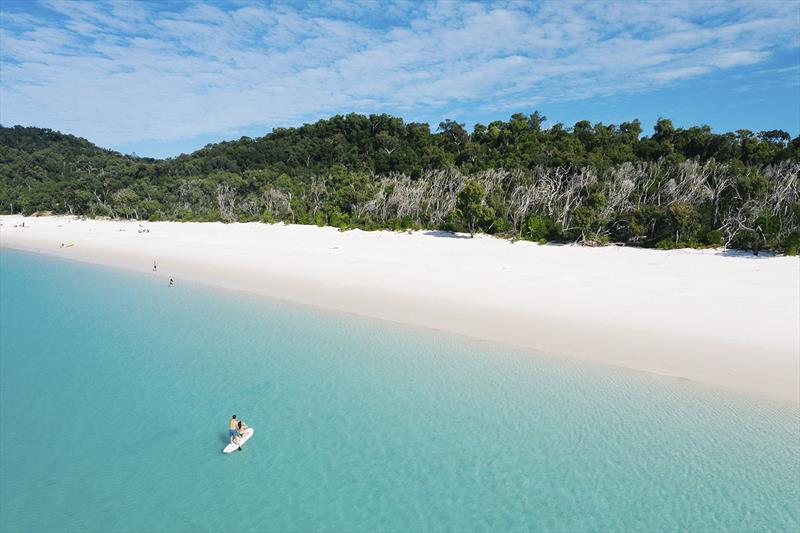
pixel 116 392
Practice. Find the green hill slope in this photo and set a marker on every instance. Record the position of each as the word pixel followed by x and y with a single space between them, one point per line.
pixel 598 183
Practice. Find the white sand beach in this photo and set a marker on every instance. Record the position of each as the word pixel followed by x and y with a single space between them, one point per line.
pixel 725 319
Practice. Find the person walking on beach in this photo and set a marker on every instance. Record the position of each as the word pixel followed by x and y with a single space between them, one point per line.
pixel 171 282
pixel 155 266
pixel 233 427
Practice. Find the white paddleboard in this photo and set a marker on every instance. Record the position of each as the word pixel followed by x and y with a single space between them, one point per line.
pixel 233 446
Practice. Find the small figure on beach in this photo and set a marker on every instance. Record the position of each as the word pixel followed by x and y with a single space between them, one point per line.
pixel 155 266
pixel 171 282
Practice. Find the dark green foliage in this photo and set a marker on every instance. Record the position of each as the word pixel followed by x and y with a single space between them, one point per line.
pixel 472 208
pixel 540 228
pixel 792 244
pixel 591 182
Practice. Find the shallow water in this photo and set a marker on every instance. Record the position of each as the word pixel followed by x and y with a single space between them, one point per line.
pixel 115 393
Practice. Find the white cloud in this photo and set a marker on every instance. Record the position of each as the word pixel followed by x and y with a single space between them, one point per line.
pixel 123 72
pixel 739 57
pixel 681 72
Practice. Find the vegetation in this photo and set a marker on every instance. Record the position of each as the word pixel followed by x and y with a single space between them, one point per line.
pixel 590 183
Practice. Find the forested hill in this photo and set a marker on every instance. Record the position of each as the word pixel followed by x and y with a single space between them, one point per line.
pixel 591 183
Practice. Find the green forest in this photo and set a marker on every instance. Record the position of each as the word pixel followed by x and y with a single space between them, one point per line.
pixel 589 183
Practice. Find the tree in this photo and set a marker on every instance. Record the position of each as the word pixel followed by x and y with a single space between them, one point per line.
pixel 472 208
pixel 535 120
pixel 454 132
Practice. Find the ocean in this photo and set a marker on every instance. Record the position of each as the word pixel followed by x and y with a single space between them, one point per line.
pixel 116 390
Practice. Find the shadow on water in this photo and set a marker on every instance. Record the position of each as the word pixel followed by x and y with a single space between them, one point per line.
pixel 224 438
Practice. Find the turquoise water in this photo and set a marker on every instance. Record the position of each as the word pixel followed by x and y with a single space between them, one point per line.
pixel 115 393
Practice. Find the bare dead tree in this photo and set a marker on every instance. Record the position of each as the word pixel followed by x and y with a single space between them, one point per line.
pixel 317 195
pixel 405 199
pixel 226 202
pixel 689 184
pixel 646 178
pixel 520 202
pixel 375 207
pixel 740 219
pixel 278 203
pixel 576 189
pixel 720 180
pixel 783 186
pixel 250 207
pixel 618 188
pixel 444 187
pixel 104 204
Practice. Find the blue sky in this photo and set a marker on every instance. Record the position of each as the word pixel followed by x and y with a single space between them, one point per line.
pixel 161 78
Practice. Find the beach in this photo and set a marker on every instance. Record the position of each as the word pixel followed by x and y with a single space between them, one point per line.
pixel 724 319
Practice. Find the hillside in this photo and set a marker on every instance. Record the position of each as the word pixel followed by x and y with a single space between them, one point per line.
pixel 591 183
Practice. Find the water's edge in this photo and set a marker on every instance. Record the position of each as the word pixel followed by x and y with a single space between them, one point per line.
pixel 207 283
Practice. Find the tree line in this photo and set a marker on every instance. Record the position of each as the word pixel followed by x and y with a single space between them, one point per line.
pixel 587 183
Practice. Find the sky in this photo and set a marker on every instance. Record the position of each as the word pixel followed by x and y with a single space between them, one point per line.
pixel 163 78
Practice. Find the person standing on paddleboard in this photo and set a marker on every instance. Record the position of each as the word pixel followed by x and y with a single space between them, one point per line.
pixel 233 427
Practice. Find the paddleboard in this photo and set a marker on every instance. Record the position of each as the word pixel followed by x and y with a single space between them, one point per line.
pixel 233 446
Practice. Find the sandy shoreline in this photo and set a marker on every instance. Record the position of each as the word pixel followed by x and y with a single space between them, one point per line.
pixel 723 319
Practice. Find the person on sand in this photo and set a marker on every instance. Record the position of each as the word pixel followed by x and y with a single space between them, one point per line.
pixel 155 266
pixel 171 282
pixel 233 427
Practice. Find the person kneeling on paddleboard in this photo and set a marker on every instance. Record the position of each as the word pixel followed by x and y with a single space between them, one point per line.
pixel 241 427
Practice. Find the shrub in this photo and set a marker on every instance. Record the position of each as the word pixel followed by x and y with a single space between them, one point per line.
pixel 791 244
pixel 537 227
pixel 714 237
